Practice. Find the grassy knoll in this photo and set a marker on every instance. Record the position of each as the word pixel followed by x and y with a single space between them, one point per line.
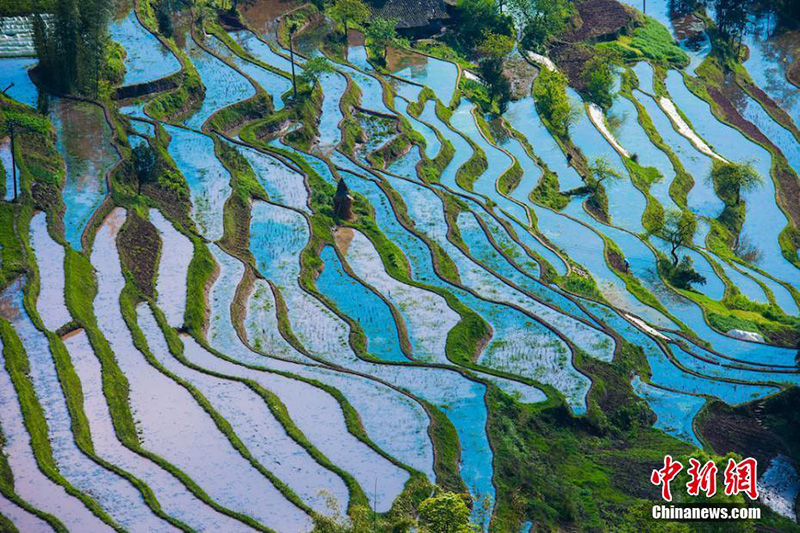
pixel 651 41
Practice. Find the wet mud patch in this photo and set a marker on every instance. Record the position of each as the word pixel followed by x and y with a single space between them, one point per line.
pixel 175 206
pixel 599 18
pixel 521 74
pixel 763 429
pixel 139 244
pixel 571 59
pixel 343 238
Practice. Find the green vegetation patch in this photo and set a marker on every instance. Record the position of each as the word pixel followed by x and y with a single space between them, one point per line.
pixel 651 41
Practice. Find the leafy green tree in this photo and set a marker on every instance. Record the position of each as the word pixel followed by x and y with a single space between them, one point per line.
pixel 550 93
pixel 475 18
pixel 145 162
pixel 445 513
pixel 381 33
pixel 540 21
pixel 495 45
pixel 72 48
pixel 494 48
pixel 599 81
pixel 730 179
pixel 678 230
pixel 314 68
pixel 349 12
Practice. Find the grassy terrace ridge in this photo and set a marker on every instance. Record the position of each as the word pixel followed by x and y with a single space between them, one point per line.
pixel 34 165
pixel 188 96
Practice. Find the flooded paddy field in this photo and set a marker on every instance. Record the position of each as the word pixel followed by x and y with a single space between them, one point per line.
pixel 258 277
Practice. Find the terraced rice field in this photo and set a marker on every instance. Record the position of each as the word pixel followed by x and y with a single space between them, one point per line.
pixel 218 350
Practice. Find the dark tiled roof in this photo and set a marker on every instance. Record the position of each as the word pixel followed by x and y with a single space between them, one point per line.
pixel 410 13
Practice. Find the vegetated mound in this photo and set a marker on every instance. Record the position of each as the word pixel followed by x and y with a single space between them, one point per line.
pixel 761 429
pixel 595 20
pixel 138 246
pixel 599 18
pixel 571 58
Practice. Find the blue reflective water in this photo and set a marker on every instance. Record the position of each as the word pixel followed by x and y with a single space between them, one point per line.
pixel 714 288
pixel 666 374
pixel 224 86
pixel 713 367
pixel 335 85
pixel 764 220
pixel 275 84
pixel 746 285
pixel 518 345
pixel 355 300
pixel 371 88
pixel 277 235
pixel 642 265
pixel 625 202
pixel 9 168
pixel 439 75
pixel 631 135
pixel 15 70
pixel 145 57
pixel 768 60
pixel 84 141
pixel 782 295
pixel 751 110
pixel 263 52
pixel 675 412
pixel 701 198
pixel 282 183
pixel 644 73
pixel 586 247
pixel 524 118
pixel 432 143
pixel 207 179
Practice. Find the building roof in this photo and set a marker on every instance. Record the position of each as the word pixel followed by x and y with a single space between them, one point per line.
pixel 410 13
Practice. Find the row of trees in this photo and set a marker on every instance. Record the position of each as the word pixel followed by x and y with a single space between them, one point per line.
pixel 73 46
pixel 380 32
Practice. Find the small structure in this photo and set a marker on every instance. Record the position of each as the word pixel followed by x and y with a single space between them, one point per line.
pixel 415 18
pixel 343 202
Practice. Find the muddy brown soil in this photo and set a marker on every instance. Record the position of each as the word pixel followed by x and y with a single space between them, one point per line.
pixel 762 429
pixel 599 18
pixel 262 15
pixel 138 244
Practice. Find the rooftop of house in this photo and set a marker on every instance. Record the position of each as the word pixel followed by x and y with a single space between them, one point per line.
pixel 410 13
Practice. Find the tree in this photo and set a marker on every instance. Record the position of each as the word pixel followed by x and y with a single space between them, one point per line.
pixel 474 18
pixel 682 275
pixel 599 171
pixel 445 513
pixel 494 48
pixel 314 68
pixel 540 20
pixel 72 47
pixel 678 230
pixel 381 33
pixel 164 18
pixel 495 45
pixel 348 12
pixel 145 161
pixel 730 179
pixel 599 82
pixel 549 90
